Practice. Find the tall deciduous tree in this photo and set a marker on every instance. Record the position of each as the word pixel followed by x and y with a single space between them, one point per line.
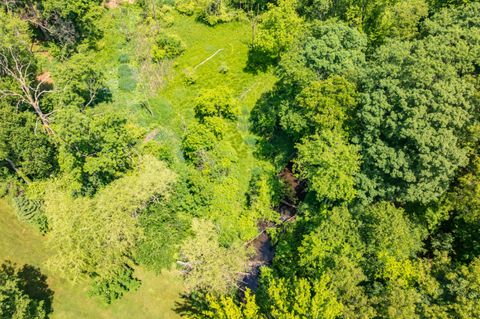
pixel 18 73
pixel 21 298
pixel 96 236
pixel 80 83
pixel 278 28
pixel 64 23
pixel 322 105
pixel 330 164
pixel 419 104
pixel 93 150
pixel 327 49
pixel 208 265
pixel 28 152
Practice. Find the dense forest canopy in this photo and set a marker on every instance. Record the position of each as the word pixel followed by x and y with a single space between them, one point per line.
pixel 283 158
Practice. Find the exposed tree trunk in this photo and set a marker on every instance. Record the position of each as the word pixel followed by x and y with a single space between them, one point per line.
pixel 18 171
pixel 31 89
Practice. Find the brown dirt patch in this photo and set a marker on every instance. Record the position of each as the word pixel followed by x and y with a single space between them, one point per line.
pixel 45 77
pixel 112 4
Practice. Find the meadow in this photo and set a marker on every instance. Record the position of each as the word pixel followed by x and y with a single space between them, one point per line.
pixel 157 98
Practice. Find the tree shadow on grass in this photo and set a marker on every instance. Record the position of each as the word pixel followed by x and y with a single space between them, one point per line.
pixel 258 61
pixel 35 285
pixel 30 281
pixel 191 305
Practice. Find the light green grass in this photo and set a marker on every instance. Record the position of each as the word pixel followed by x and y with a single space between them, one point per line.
pixel 171 101
pixel 154 299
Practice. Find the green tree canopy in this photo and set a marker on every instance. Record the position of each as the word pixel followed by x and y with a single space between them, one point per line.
pixel 322 105
pixel 93 150
pixel 23 146
pixel 416 112
pixel 278 28
pixel 96 236
pixel 218 102
pixel 330 165
pixel 207 264
pixel 326 49
pixel 23 293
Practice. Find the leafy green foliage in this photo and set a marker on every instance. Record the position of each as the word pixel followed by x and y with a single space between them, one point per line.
pixel 65 24
pixel 330 165
pixel 96 236
pixel 210 12
pixel 216 11
pixel 322 105
pixel 199 139
pixel 203 268
pixel 390 237
pixel 93 150
pixel 376 109
pixel 278 28
pixel 299 298
pixel 81 82
pixel 415 115
pixel 114 287
pixel 217 102
pixel 31 210
pixel 23 293
pixel 327 49
pixel 227 308
pixel 23 147
pixel 166 46
pixel 164 227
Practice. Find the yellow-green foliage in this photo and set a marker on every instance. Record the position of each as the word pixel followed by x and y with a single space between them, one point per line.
pixel 96 235
pixel 225 307
pixel 209 265
pixel 298 299
pixel 278 28
pixel 167 46
pixel 218 102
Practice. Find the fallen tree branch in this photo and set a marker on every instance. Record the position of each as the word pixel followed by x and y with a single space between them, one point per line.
pixel 207 59
pixel 18 171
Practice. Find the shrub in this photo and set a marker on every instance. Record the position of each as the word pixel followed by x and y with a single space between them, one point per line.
pixel 167 47
pixel 114 288
pixel 187 7
pixel 190 76
pixel 31 211
pixel 216 102
pixel 216 12
pixel 199 138
pixel 211 12
pixel 223 68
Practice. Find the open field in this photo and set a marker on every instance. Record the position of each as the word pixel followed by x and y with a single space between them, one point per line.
pixel 24 245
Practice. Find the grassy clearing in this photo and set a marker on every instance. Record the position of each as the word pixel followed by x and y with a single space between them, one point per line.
pixel 133 81
pixel 163 87
pixel 24 245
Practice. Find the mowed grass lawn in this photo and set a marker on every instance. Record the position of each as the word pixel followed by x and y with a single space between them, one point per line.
pixel 155 298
